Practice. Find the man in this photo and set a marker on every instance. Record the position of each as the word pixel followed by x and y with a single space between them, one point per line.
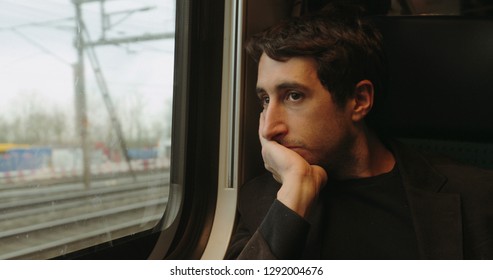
pixel 335 189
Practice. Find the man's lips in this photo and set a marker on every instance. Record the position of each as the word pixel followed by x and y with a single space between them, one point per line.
pixel 292 145
pixel 294 148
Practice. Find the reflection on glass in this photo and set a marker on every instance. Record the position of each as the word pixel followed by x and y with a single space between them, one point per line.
pixel 85 118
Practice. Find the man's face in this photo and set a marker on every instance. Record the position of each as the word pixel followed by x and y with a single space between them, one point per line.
pixel 300 113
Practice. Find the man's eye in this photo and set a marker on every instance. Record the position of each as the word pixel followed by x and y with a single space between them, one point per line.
pixel 294 96
pixel 264 100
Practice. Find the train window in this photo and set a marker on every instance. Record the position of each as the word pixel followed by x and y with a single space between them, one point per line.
pixel 86 109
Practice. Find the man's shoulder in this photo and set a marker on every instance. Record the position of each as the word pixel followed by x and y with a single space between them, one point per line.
pixel 464 176
pixel 457 175
pixel 460 176
pixel 255 198
pixel 261 187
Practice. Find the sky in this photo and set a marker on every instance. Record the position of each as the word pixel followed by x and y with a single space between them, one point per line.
pixel 37 54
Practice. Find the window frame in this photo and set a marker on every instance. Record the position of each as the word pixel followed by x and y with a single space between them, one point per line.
pixel 184 232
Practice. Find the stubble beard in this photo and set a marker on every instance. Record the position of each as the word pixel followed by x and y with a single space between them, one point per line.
pixel 339 160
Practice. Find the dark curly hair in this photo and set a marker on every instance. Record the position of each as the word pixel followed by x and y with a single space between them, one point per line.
pixel 344 43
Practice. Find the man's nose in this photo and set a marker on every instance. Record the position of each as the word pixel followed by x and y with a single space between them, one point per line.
pixel 274 123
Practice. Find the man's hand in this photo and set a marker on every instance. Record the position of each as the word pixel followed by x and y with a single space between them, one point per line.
pixel 301 182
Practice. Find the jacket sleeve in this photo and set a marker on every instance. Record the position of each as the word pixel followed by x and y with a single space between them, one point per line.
pixel 281 235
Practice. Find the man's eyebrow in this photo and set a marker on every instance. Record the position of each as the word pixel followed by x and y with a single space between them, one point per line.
pixel 260 91
pixel 291 85
pixel 283 86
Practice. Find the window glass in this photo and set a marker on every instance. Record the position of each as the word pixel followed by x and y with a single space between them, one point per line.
pixel 85 122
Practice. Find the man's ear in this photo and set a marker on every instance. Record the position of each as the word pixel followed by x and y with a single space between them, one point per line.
pixel 363 100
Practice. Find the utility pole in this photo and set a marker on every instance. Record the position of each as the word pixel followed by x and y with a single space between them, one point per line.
pixel 80 97
pixel 83 42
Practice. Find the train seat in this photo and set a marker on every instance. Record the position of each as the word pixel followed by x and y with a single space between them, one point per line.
pixel 439 92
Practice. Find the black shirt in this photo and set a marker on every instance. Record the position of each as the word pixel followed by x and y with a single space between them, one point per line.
pixel 367 218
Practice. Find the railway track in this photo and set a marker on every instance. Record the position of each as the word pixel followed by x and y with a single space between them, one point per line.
pixel 40 221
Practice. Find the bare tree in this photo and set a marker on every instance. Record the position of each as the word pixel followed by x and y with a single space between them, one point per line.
pixel 36 122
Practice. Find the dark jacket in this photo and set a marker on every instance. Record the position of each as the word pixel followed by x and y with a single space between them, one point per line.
pixel 451 207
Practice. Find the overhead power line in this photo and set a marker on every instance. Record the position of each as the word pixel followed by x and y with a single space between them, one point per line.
pixel 37 23
pixel 131 39
pixel 85 46
pixel 41 47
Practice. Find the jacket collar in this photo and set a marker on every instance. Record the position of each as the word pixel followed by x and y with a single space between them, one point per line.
pixel 415 170
pixel 436 215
